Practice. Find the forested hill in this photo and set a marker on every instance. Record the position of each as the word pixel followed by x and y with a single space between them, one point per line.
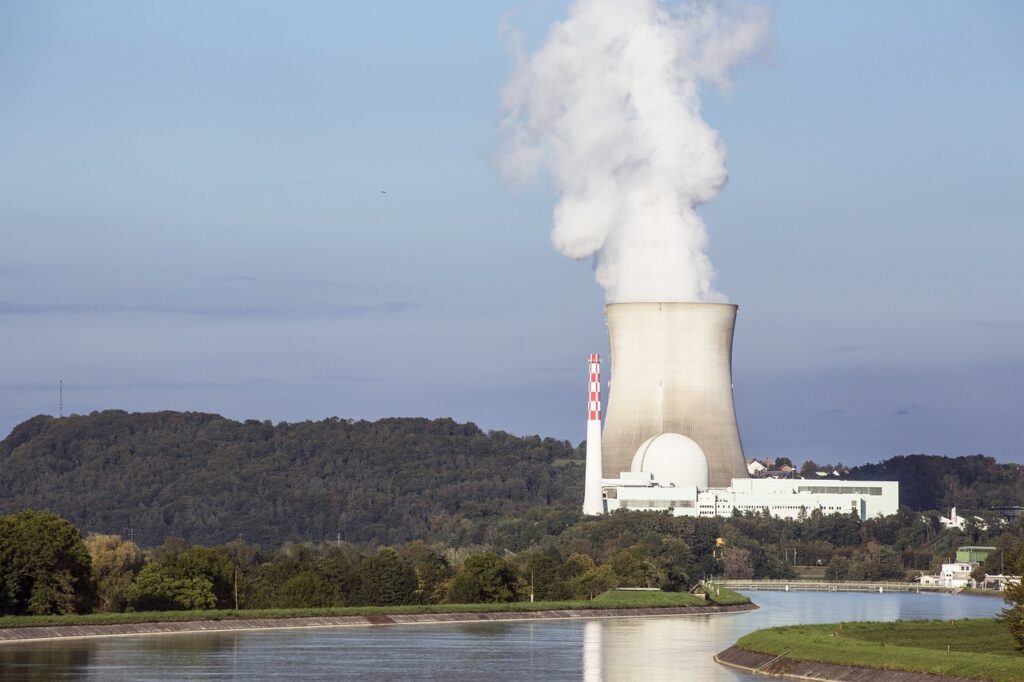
pixel 933 482
pixel 210 479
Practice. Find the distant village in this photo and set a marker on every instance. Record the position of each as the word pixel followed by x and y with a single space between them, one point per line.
pixel 783 468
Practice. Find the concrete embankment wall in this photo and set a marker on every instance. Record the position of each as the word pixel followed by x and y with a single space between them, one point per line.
pixel 791 669
pixel 13 635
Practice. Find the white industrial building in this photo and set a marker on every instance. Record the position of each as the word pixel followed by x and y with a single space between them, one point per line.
pixel 669 473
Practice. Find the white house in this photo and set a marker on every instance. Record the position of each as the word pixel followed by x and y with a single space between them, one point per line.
pixel 755 468
pixel 956 574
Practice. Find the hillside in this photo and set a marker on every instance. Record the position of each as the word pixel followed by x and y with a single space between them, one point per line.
pixel 933 482
pixel 211 479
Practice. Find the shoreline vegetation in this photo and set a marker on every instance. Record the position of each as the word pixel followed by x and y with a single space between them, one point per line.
pixel 977 648
pixel 610 604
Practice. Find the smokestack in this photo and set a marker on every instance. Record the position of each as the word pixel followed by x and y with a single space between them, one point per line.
pixel 592 502
pixel 672 373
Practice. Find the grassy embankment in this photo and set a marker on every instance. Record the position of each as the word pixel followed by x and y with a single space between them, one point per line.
pixel 608 600
pixel 977 648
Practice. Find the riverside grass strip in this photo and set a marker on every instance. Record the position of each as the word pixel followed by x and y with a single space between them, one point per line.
pixel 27 635
pixel 979 649
pixel 609 600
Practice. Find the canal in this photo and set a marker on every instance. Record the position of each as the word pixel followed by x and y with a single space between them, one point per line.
pixel 651 648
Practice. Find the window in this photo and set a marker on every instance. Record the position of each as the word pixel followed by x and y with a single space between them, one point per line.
pixel 839 490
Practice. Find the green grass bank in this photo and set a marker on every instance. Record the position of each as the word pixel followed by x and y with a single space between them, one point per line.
pixel 609 600
pixel 980 648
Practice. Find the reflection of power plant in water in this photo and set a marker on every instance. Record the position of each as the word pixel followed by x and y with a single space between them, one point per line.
pixel 671 441
pixel 650 649
pixel 592 651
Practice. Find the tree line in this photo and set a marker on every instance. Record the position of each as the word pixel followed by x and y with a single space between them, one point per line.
pixel 212 480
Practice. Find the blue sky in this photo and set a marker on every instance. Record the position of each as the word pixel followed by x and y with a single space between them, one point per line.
pixel 292 212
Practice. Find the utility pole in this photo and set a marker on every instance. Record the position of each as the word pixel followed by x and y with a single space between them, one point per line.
pixel 60 412
pixel 236 588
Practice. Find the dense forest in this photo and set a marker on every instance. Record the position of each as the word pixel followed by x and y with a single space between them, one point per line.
pixel 213 480
pixel 932 482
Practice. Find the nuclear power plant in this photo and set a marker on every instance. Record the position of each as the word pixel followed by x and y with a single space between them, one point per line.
pixel 671 441
pixel 672 373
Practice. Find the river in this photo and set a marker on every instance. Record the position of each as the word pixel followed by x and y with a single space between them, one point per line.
pixel 651 648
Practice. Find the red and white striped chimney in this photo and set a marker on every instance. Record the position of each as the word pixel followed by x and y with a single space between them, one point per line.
pixel 594 399
pixel 592 501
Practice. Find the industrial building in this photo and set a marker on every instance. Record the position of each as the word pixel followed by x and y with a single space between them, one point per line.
pixel 671 441
pixel 783 498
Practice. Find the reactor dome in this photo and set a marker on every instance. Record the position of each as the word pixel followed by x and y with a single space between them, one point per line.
pixel 672 458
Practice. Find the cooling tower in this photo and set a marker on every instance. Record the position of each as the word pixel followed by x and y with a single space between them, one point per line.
pixel 671 368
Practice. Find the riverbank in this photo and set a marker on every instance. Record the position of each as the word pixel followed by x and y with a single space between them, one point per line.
pixel 975 649
pixel 609 605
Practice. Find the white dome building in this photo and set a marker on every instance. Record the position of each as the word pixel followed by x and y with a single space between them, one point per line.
pixel 673 460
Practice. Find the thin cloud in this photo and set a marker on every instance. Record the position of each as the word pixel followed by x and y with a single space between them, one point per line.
pixel 252 279
pixel 366 310
pixel 244 383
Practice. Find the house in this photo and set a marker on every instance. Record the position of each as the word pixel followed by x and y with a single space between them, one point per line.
pixel 998 582
pixel 954 520
pixel 956 574
pixel 756 468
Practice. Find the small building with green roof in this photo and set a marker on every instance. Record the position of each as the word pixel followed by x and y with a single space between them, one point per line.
pixel 972 554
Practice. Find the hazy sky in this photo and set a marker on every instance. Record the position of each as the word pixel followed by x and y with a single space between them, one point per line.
pixel 290 211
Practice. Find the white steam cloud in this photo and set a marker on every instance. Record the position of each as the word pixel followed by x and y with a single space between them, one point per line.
pixel 610 108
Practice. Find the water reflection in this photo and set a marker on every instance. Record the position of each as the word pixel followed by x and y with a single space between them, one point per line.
pixel 592 650
pixel 654 648
pixel 43 662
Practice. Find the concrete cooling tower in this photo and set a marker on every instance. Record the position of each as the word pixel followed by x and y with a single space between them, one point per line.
pixel 672 373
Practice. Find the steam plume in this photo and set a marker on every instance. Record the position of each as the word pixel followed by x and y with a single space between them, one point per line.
pixel 610 108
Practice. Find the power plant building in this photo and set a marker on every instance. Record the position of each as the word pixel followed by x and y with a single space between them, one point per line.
pixel 671 441
pixel 783 498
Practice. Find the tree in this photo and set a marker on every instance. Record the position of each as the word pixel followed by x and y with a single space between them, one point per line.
pixel 115 561
pixel 432 571
pixel 1014 595
pixel 486 578
pixel 212 564
pixel 545 570
pixel 388 579
pixel 636 568
pixel 595 581
pixel 191 578
pixel 837 569
pixel 44 565
pixel 157 588
pixel 809 469
pixel 783 462
pixel 305 590
pixel 736 563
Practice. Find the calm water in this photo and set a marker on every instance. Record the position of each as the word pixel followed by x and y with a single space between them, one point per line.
pixel 655 648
